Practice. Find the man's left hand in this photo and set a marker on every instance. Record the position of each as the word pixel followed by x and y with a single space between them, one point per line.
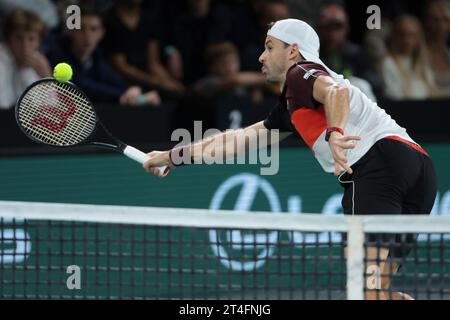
pixel 338 144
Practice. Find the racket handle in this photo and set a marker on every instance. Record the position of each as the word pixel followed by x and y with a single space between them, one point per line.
pixel 141 157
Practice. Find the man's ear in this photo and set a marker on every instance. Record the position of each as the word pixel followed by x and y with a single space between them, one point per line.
pixel 294 52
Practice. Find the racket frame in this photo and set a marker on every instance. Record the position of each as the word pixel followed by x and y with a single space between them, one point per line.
pixel 119 146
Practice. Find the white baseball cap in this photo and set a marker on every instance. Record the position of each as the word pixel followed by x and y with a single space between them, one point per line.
pixel 294 31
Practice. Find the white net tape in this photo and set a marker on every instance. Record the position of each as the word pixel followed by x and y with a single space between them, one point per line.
pixel 356 227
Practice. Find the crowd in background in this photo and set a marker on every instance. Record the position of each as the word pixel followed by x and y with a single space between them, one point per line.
pixel 139 53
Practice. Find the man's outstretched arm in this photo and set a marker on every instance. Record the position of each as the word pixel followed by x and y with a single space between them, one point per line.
pixel 336 101
pixel 228 144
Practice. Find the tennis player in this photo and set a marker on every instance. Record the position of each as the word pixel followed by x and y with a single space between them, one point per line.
pixel 381 168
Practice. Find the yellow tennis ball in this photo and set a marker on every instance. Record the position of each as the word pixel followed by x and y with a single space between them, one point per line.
pixel 63 72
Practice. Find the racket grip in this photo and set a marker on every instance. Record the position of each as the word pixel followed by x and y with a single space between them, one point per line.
pixel 141 157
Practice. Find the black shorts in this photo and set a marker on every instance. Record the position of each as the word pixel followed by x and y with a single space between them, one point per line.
pixel 393 177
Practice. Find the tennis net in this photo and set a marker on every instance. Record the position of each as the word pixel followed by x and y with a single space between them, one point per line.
pixel 69 251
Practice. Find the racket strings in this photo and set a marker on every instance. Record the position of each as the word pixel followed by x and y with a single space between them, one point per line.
pixel 38 116
pixel 56 114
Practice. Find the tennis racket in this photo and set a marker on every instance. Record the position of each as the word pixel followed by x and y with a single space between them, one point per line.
pixel 61 115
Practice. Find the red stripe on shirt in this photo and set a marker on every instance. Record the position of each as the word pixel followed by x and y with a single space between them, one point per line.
pixel 409 143
pixel 310 123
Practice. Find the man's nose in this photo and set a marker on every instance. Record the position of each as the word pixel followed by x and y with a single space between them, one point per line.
pixel 261 58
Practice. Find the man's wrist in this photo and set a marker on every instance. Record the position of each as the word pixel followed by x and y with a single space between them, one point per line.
pixel 180 156
pixel 331 130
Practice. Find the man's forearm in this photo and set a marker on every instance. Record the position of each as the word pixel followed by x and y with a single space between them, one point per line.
pixel 227 145
pixel 222 145
pixel 337 107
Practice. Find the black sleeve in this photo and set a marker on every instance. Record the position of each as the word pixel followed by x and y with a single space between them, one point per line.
pixel 300 85
pixel 277 119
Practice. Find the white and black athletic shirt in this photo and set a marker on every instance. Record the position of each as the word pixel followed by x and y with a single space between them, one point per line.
pixel 298 112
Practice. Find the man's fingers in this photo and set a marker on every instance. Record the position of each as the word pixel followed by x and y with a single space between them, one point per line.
pixel 153 170
pixel 337 169
pixel 344 145
pixel 347 145
pixel 341 161
pixel 150 163
pixel 339 155
pixel 147 165
pixel 338 146
pixel 346 167
pixel 347 138
pixel 156 172
pixel 159 173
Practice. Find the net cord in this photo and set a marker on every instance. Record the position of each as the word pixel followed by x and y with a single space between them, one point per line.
pixel 204 218
pixel 354 226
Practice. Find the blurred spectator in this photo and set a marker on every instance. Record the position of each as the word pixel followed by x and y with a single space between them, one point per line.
pixel 271 11
pixel 375 43
pixel 437 27
pixel 264 12
pixel 21 63
pixel 224 75
pixel 245 26
pixel 307 10
pixel 389 9
pixel 405 70
pixel 92 73
pixel 202 22
pixel 337 51
pixel 132 40
pixel 45 9
pixel 100 5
